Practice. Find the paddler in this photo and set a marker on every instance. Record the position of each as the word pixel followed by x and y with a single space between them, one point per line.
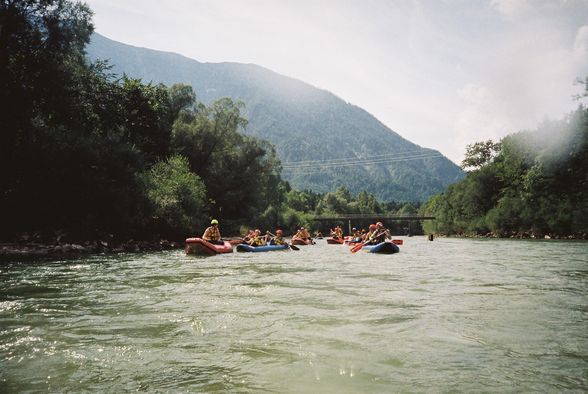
pixel 337 233
pixel 382 233
pixel 303 234
pixel 356 235
pixel 257 239
pixel 371 234
pixel 212 233
pixel 278 238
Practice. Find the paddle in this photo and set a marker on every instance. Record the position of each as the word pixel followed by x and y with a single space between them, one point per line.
pixel 293 247
pixel 361 245
pixel 398 242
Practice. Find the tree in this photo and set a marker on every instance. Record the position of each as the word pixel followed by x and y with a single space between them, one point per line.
pixel 177 196
pixel 241 173
pixel 480 154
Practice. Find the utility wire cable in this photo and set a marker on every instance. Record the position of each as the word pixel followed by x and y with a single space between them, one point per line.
pixel 348 163
pixel 346 160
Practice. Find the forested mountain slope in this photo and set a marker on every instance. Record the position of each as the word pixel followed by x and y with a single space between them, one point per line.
pixel 333 143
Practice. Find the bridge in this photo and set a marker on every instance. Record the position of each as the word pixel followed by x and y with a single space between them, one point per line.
pixel 372 216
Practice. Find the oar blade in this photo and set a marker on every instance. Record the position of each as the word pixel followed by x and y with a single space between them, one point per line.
pixel 293 247
pixel 356 247
pixel 398 241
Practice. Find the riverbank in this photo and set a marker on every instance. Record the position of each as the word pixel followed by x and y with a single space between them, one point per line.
pixel 517 235
pixel 65 250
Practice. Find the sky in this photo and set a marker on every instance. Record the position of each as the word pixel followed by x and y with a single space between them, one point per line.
pixel 441 73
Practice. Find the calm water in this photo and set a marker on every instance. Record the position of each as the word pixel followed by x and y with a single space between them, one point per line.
pixel 450 315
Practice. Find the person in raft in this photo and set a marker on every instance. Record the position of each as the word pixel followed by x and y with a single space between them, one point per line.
pixel 303 234
pixel 337 233
pixel 371 234
pixel 356 235
pixel 212 233
pixel 382 233
pixel 278 239
pixel 249 236
pixel 257 239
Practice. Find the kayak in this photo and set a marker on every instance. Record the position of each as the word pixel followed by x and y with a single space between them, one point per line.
pixel 299 241
pixel 264 248
pixel 335 241
pixel 202 247
pixel 383 248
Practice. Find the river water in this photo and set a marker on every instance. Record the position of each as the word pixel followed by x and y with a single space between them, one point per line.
pixel 452 315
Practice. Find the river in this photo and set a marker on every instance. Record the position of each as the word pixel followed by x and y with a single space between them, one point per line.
pixel 452 315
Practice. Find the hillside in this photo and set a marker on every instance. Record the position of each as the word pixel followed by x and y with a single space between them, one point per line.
pixel 333 143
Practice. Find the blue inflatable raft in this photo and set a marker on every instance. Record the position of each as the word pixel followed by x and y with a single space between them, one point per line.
pixel 265 248
pixel 383 248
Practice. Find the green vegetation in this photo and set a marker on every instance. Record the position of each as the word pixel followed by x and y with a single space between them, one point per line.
pixel 305 124
pixel 530 184
pixel 90 155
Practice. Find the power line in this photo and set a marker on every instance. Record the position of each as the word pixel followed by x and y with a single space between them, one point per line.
pixel 346 160
pixel 313 167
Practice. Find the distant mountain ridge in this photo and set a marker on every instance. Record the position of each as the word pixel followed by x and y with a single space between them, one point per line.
pixel 323 142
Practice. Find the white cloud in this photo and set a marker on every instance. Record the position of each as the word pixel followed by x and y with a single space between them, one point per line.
pixel 474 94
pixel 581 45
pixel 511 8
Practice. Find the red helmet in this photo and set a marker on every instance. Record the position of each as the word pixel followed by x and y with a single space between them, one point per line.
pixel 373 227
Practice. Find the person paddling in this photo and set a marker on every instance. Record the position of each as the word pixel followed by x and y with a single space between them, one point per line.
pixel 212 233
pixel 278 238
pixel 371 234
pixel 356 235
pixel 257 239
pixel 337 233
pixel 303 234
pixel 382 233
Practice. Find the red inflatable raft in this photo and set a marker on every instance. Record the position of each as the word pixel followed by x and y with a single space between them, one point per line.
pixel 300 241
pixel 202 247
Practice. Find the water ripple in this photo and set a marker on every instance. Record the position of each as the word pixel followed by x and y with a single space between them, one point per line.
pixel 449 315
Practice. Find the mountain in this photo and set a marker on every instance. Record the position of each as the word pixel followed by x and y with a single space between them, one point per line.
pixel 322 141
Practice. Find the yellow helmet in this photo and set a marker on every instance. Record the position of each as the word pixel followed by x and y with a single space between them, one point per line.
pixel 214 221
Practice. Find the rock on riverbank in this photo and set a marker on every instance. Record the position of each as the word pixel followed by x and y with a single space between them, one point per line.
pixel 60 250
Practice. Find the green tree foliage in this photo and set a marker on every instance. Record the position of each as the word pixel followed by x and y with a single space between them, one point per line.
pixel 177 196
pixel 73 140
pixel 86 152
pixel 480 154
pixel 146 117
pixel 366 203
pixel 536 185
pixel 79 146
pixel 302 200
pixel 241 173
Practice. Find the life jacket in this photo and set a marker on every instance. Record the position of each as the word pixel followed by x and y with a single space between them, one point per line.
pixel 212 233
pixel 369 235
pixel 278 240
pixel 256 241
pixel 383 234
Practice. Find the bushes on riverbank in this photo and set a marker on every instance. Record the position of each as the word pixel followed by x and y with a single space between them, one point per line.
pixel 535 185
